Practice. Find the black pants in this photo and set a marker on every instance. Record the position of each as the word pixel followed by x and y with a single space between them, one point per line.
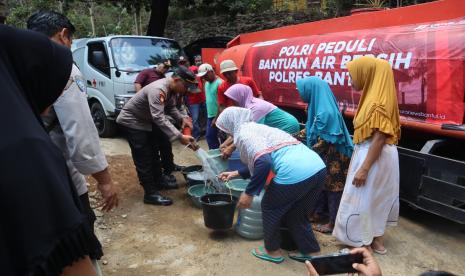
pixel 166 150
pixel 96 251
pixel 290 205
pixel 145 147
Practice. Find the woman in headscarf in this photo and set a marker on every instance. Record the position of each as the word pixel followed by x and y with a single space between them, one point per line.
pixel 263 112
pixel 299 179
pixel 43 231
pixel 326 134
pixel 370 200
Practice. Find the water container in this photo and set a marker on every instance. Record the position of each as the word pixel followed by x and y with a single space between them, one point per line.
pixel 237 186
pixel 218 210
pixel 249 222
pixel 216 161
pixel 234 162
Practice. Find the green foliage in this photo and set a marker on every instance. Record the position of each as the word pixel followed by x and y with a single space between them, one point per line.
pixel 111 17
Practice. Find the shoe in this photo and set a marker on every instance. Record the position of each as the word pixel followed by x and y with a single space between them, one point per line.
pixel 169 178
pixel 178 168
pixel 168 182
pixel 157 199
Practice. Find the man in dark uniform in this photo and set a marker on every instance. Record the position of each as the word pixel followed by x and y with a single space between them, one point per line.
pixel 145 116
pixel 144 78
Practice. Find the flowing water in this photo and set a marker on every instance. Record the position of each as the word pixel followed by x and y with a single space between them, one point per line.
pixel 211 170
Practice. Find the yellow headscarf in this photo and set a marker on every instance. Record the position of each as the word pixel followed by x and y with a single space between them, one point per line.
pixel 378 107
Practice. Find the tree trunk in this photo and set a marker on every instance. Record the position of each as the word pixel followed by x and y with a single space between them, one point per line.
pixel 91 15
pixel 135 23
pixel 158 16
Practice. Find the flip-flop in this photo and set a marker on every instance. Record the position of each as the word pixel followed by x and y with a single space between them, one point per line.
pixel 300 257
pixel 264 256
pixel 380 252
pixel 322 229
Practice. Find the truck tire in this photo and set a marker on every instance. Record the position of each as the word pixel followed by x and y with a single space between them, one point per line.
pixel 105 127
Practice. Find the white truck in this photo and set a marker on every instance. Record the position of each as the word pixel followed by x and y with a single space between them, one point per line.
pixel 110 66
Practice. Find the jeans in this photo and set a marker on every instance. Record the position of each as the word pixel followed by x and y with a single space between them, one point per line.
pixel 194 110
pixel 212 135
pixel 145 154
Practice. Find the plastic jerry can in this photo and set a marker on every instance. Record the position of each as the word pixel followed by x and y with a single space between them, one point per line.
pixel 249 222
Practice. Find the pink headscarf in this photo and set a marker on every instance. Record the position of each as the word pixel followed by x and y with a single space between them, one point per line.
pixel 242 94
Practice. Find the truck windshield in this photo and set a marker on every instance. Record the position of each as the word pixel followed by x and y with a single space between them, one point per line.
pixel 136 54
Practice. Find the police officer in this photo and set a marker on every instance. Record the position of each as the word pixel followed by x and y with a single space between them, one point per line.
pixel 71 127
pixel 144 117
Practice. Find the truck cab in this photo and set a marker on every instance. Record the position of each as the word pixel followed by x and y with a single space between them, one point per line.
pixel 110 66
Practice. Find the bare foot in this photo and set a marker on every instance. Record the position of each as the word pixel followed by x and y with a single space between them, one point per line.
pixel 378 245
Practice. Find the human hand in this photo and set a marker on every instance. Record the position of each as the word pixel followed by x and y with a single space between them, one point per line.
pixel 226 176
pixel 186 139
pixel 369 267
pixel 109 196
pixel 245 201
pixel 311 269
pixel 187 122
pixel 213 122
pixel 360 177
pixel 227 152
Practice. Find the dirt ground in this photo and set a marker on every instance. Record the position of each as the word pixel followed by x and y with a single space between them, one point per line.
pixel 141 239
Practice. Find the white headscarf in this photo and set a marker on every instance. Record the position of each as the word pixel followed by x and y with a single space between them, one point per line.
pixel 251 139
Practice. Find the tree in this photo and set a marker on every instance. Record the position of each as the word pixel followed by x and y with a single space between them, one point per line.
pixel 159 14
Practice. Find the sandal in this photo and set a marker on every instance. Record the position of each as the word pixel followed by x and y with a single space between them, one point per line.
pixel 264 256
pixel 322 228
pixel 380 252
pixel 300 257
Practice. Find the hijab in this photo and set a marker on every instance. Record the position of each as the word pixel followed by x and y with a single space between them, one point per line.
pixel 378 107
pixel 40 204
pixel 251 139
pixel 243 95
pixel 324 119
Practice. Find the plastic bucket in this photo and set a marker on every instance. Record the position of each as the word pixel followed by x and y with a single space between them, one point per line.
pixel 234 162
pixel 190 169
pixel 195 178
pixel 197 191
pixel 218 210
pixel 237 186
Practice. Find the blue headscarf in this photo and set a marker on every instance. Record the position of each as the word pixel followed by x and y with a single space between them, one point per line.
pixel 324 118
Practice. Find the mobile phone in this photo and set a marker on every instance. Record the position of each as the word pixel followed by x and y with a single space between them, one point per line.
pixel 336 263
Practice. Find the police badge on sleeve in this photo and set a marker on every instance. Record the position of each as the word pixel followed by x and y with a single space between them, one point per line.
pixel 80 84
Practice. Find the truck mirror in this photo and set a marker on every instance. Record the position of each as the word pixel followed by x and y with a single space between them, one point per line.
pixel 98 59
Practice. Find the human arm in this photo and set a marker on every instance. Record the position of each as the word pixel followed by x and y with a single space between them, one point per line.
pixel 107 189
pixel 140 79
pixel 82 142
pixel 227 151
pixel 377 142
pixel 227 143
pixel 158 103
pixel 137 86
pixel 256 92
pixel 262 168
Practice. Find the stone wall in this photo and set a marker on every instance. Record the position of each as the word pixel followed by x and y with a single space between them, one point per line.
pixel 187 31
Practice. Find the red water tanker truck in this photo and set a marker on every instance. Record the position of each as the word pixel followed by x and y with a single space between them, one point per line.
pixel 425 45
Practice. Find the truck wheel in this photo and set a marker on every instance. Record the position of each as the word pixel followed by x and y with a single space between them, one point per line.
pixel 105 127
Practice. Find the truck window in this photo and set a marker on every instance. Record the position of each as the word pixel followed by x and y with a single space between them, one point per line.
pixel 98 58
pixel 135 54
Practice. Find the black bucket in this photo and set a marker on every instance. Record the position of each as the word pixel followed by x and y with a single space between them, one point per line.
pixel 190 169
pixel 287 242
pixel 218 210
